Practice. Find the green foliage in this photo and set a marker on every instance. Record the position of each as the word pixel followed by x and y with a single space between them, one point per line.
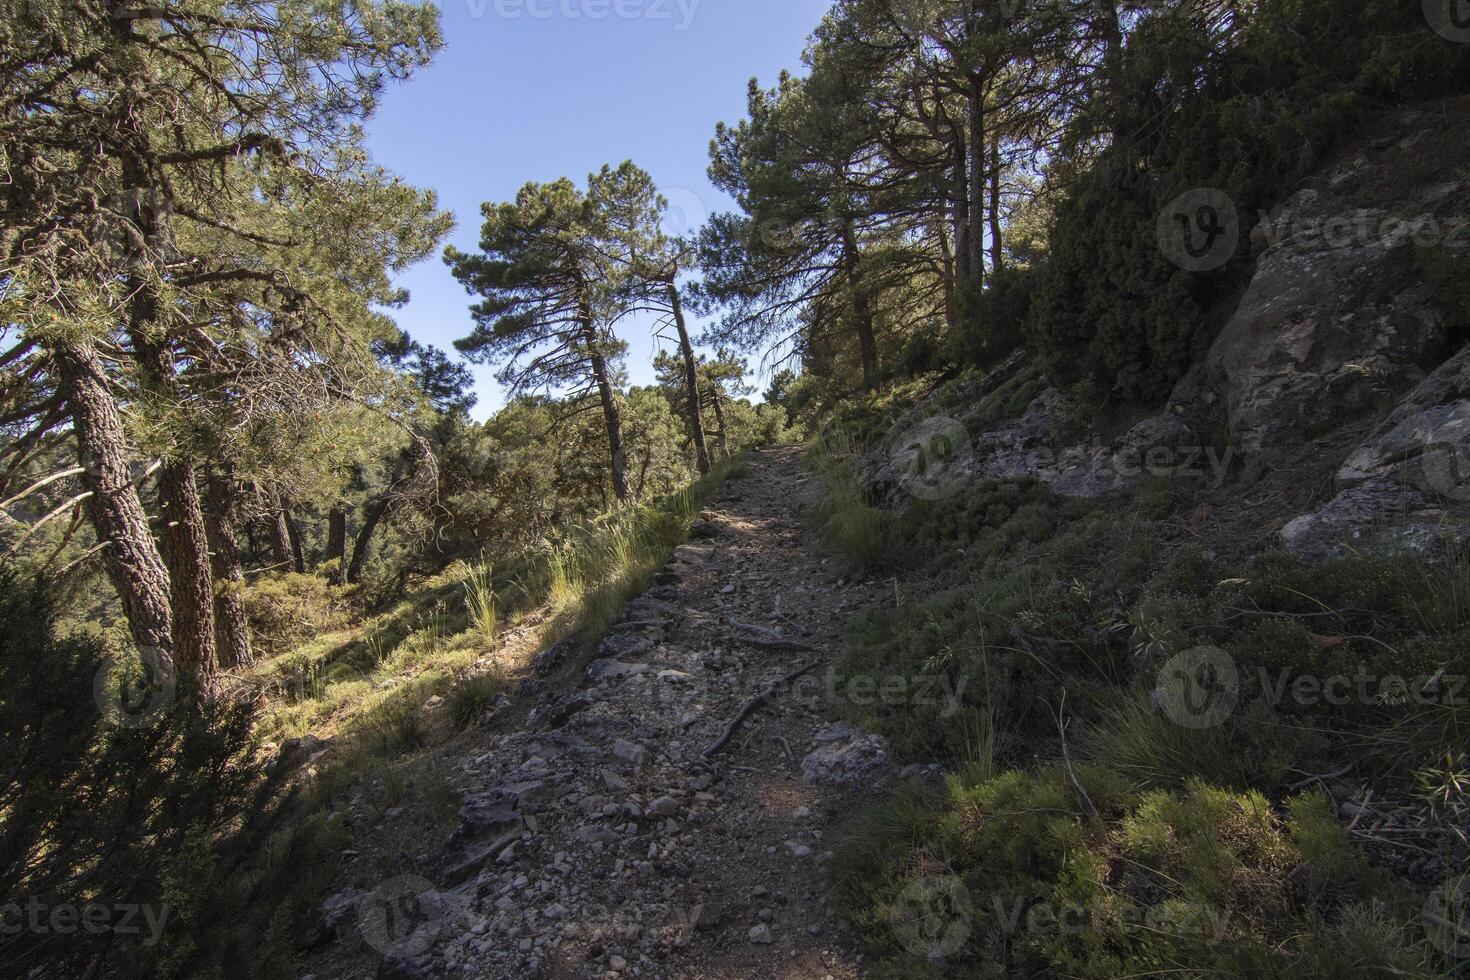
pixel 174 812
pixel 858 531
pixel 288 609
pixel 469 700
pixel 1070 871
pixel 480 602
pixel 1111 314
pixel 1050 626
pixel 999 324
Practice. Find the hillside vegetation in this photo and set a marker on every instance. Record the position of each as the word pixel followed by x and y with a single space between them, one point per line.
pixel 1128 342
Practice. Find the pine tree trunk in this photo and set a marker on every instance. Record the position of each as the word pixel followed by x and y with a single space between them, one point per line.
pixel 979 151
pixel 997 257
pixel 691 380
pixel 280 538
pixel 293 533
pixel 186 554
pixel 961 205
pixel 614 420
pixel 231 623
pixel 720 424
pixel 183 538
pixel 374 515
pixel 132 559
pixel 947 274
pixel 337 542
pixel 611 416
pixel 862 314
pixel 362 547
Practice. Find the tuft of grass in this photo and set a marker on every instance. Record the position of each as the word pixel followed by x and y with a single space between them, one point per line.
pixel 851 525
pixel 399 728
pixel 469 700
pixel 481 602
pixel 1130 736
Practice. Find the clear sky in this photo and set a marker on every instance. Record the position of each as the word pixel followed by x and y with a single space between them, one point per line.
pixel 539 89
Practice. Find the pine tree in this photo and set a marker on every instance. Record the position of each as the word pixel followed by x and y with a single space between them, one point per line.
pixel 552 273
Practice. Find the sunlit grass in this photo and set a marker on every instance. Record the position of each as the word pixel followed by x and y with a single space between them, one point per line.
pixel 367 686
pixel 854 528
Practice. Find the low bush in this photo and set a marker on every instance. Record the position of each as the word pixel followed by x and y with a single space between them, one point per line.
pixel 123 794
pixel 287 610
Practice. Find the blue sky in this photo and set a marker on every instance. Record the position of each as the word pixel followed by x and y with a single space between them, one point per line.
pixel 540 89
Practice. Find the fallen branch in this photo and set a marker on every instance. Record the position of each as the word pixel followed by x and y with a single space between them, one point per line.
pixel 1067 761
pixel 766 639
pixel 748 709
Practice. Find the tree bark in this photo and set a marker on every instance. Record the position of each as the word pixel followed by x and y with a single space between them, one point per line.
pixel 374 515
pixel 720 423
pixel 184 540
pixel 186 554
pixel 132 559
pixel 961 204
pixel 862 314
pixel 280 539
pixel 337 542
pixel 614 421
pixel 947 274
pixel 979 151
pixel 293 535
pixel 611 416
pixel 362 547
pixel 691 380
pixel 997 257
pixel 231 623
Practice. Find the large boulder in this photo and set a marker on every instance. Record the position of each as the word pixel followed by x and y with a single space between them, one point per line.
pixel 1408 483
pixel 1339 317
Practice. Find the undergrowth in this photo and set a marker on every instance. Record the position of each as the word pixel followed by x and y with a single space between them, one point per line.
pixel 1095 823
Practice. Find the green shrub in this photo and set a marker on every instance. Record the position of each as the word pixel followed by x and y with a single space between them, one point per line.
pixel 1111 316
pixel 171 810
pixel 997 325
pixel 287 610
pixel 1071 872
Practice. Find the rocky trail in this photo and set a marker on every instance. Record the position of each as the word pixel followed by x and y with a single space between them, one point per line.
pixel 669 812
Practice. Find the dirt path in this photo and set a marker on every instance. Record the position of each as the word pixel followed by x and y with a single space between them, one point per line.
pixel 601 839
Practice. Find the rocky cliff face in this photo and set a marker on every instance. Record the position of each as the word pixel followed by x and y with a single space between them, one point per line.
pixel 1340 333
pixel 1338 312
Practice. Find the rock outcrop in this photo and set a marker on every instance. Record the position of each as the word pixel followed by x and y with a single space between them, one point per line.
pixel 1339 332
pixel 1409 482
pixel 1338 315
